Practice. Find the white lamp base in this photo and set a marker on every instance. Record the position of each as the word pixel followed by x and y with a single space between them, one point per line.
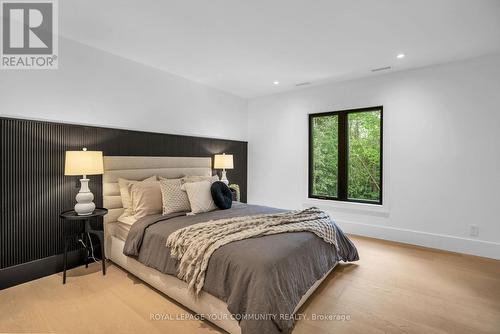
pixel 223 177
pixel 85 205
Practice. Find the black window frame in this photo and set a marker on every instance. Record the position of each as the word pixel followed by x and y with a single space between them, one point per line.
pixel 343 154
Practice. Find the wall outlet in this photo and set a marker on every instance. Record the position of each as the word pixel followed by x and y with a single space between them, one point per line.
pixel 474 231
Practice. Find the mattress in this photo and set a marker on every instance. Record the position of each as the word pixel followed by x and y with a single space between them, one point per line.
pixel 119 230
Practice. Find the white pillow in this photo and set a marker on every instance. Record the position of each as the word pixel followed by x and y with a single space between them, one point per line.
pixel 173 197
pixel 212 179
pixel 200 197
pixel 163 178
pixel 125 193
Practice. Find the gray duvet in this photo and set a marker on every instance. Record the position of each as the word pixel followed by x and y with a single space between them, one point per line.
pixel 261 278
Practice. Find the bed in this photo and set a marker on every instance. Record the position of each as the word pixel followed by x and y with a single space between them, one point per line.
pixel 219 301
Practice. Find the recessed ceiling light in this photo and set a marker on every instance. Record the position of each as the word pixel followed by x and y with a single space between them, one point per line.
pixel 400 56
pixel 276 82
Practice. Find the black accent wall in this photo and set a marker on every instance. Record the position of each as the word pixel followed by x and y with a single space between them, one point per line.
pixel 34 190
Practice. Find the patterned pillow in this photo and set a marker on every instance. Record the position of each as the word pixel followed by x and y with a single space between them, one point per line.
pixel 174 199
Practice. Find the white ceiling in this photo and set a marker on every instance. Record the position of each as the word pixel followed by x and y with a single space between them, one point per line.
pixel 243 46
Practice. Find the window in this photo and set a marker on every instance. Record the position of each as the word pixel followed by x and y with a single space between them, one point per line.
pixel 345 155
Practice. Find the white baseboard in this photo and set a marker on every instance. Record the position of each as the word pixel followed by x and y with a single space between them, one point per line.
pixel 440 241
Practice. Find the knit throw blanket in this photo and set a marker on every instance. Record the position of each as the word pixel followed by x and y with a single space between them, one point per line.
pixel 194 245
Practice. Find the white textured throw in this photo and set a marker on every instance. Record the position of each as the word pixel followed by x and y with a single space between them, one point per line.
pixel 195 244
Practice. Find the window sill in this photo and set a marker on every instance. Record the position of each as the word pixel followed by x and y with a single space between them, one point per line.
pixel 349 207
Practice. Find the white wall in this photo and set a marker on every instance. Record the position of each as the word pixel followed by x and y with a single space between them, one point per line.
pixel 98 88
pixel 441 161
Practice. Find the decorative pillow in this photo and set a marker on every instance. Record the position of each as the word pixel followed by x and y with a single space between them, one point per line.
pixel 200 197
pixel 163 178
pixel 173 197
pixel 222 195
pixel 190 179
pixel 146 199
pixel 125 193
pixel 236 189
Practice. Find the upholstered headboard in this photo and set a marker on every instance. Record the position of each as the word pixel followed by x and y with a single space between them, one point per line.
pixel 139 168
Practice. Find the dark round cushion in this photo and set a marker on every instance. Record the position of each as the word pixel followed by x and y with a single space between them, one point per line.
pixel 221 194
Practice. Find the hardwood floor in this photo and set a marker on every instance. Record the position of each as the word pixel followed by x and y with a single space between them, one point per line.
pixel 394 288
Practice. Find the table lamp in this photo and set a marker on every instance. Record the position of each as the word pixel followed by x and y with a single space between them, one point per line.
pixel 223 161
pixel 84 163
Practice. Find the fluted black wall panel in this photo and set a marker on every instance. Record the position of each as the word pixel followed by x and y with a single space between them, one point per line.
pixel 34 190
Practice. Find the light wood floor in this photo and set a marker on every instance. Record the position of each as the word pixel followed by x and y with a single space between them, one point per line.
pixel 394 288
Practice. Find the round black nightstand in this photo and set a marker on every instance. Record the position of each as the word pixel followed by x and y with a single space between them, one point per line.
pixel 71 215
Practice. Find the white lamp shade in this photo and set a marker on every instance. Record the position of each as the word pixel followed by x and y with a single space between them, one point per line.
pixel 83 163
pixel 223 161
